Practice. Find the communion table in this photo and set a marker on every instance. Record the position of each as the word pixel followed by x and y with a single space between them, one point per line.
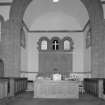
pixel 44 88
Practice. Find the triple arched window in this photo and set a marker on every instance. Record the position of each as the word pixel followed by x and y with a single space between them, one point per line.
pixel 55 44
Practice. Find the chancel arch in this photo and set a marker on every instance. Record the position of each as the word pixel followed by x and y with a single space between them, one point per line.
pixel 54 21
pixel 84 10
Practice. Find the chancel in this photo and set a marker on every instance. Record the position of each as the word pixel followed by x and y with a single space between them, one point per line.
pixel 52 49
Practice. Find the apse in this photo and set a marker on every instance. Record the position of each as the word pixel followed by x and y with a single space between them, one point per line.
pixel 70 10
pixel 43 18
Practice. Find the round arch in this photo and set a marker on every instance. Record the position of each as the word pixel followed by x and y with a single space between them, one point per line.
pixel 68 46
pixel 43 44
pixel 94 10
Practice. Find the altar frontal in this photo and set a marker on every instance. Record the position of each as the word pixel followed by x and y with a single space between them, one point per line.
pixel 56 87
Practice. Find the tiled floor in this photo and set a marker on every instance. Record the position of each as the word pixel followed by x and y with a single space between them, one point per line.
pixel 27 99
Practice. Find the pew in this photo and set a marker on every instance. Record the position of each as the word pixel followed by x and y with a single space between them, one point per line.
pixel 20 85
pixel 3 87
pixel 12 86
pixel 94 86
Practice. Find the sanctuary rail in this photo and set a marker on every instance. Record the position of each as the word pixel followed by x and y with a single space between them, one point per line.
pixel 95 86
pixel 12 86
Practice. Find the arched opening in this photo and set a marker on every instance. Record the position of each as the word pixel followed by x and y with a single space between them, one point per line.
pixel 46 19
pixel 55 44
pixel 67 45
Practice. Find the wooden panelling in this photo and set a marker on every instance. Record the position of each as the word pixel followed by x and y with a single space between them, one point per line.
pixel 94 86
pixel 12 86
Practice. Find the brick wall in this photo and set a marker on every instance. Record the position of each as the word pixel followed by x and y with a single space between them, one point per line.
pixel 95 11
pixel 10 44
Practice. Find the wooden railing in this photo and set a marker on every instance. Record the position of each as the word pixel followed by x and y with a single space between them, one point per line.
pixel 94 86
pixel 3 88
pixel 12 86
pixel 20 85
pixel 32 75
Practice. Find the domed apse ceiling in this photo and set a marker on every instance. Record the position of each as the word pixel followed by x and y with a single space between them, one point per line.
pixel 65 14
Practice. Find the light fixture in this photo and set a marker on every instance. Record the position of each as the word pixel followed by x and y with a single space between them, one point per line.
pixel 55 1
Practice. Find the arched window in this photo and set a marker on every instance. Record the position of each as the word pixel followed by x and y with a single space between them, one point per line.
pixel 67 45
pixel 44 45
pixel 55 45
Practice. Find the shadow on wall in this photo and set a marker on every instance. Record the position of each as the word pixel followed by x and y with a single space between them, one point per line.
pixel 1 68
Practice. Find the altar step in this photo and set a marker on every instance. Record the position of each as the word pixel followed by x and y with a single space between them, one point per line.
pixel 27 99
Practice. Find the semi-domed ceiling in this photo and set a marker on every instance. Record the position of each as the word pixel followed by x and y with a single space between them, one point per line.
pixel 65 14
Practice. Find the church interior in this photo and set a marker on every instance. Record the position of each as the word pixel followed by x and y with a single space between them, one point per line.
pixel 52 50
